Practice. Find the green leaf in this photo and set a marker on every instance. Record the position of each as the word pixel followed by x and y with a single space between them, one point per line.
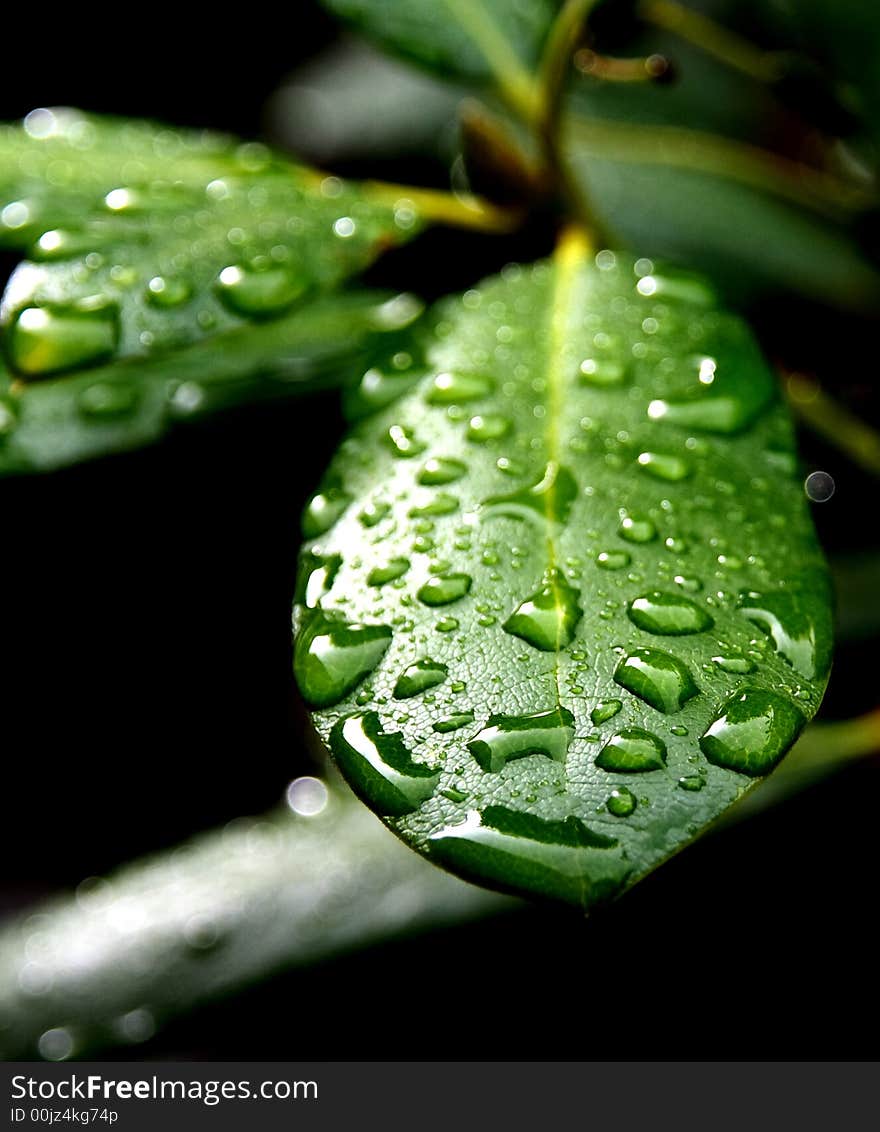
pixel 171 274
pixel 494 42
pixel 562 603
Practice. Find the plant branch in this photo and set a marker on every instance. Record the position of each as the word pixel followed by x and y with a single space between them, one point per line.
pixel 459 210
pixel 830 420
pixel 714 39
pixel 227 909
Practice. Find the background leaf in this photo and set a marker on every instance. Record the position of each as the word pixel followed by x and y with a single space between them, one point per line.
pixel 562 604
pixel 144 240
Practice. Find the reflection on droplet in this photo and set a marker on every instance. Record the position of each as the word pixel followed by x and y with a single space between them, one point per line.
pixel 754 730
pixel 507 737
pixel 660 679
pixel 379 766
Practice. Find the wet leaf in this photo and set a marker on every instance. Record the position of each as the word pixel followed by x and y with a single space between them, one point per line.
pixel 168 274
pixel 607 615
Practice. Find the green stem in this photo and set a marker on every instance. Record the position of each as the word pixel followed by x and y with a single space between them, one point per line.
pixel 713 38
pixel 833 422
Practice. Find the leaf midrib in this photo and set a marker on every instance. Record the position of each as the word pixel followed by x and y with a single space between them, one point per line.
pixel 570 257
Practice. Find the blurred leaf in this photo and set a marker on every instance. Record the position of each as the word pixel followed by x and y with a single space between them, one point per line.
pixel 149 248
pixel 563 603
pixel 494 42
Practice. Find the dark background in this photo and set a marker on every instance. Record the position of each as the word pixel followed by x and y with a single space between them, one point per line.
pixel 147 695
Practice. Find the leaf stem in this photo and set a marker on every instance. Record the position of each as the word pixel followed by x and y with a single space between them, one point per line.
pixel 713 38
pixel 834 423
pixel 701 152
pixel 515 84
pixel 459 210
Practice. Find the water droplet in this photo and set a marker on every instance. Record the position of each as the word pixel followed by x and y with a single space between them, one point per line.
pixel 632 751
pixel 108 400
pixel 753 732
pixel 419 677
pixel 664 467
pixel 819 486
pixel 635 529
pixel 260 292
pixel 612 559
pixel 165 291
pixel 605 710
pixel 621 802
pixel 403 442
pixel 441 470
pixel 784 618
pixel 657 677
pixel 550 498
pixel 61 244
pixel 442 504
pixel 547 619
pixel 740 665
pixel 373 513
pixel 492 426
pixel 379 766
pixel 453 722
pixel 454 388
pixel 502 844
pixel 507 737
pixel 445 589
pixel 395 568
pixel 707 413
pixel 332 656
pixel 602 372
pixel 446 625
pixel 692 782
pixel 45 340
pixel 668 614
pixel 322 511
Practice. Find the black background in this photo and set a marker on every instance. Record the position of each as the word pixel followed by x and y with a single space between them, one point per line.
pixel 147 695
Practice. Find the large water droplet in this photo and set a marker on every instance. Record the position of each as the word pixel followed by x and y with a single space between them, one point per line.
pixel 444 590
pixel 441 470
pixel 379 766
pixel 322 511
pixel 601 372
pixel 740 665
pixel 455 388
pixel 44 340
pixel 753 732
pixel 393 569
pixel 507 737
pixel 621 802
pixel 453 722
pixel 332 656
pixel 547 619
pixel 108 400
pixel 559 857
pixel 403 442
pixel 612 559
pixel 315 577
pixel 632 751
pixel 261 292
pixel 605 710
pixel 442 504
pixel 550 498
pixel 488 427
pixel 784 618
pixel 657 677
pixel 636 529
pixel 419 677
pixel 168 291
pixel 662 466
pixel 668 614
